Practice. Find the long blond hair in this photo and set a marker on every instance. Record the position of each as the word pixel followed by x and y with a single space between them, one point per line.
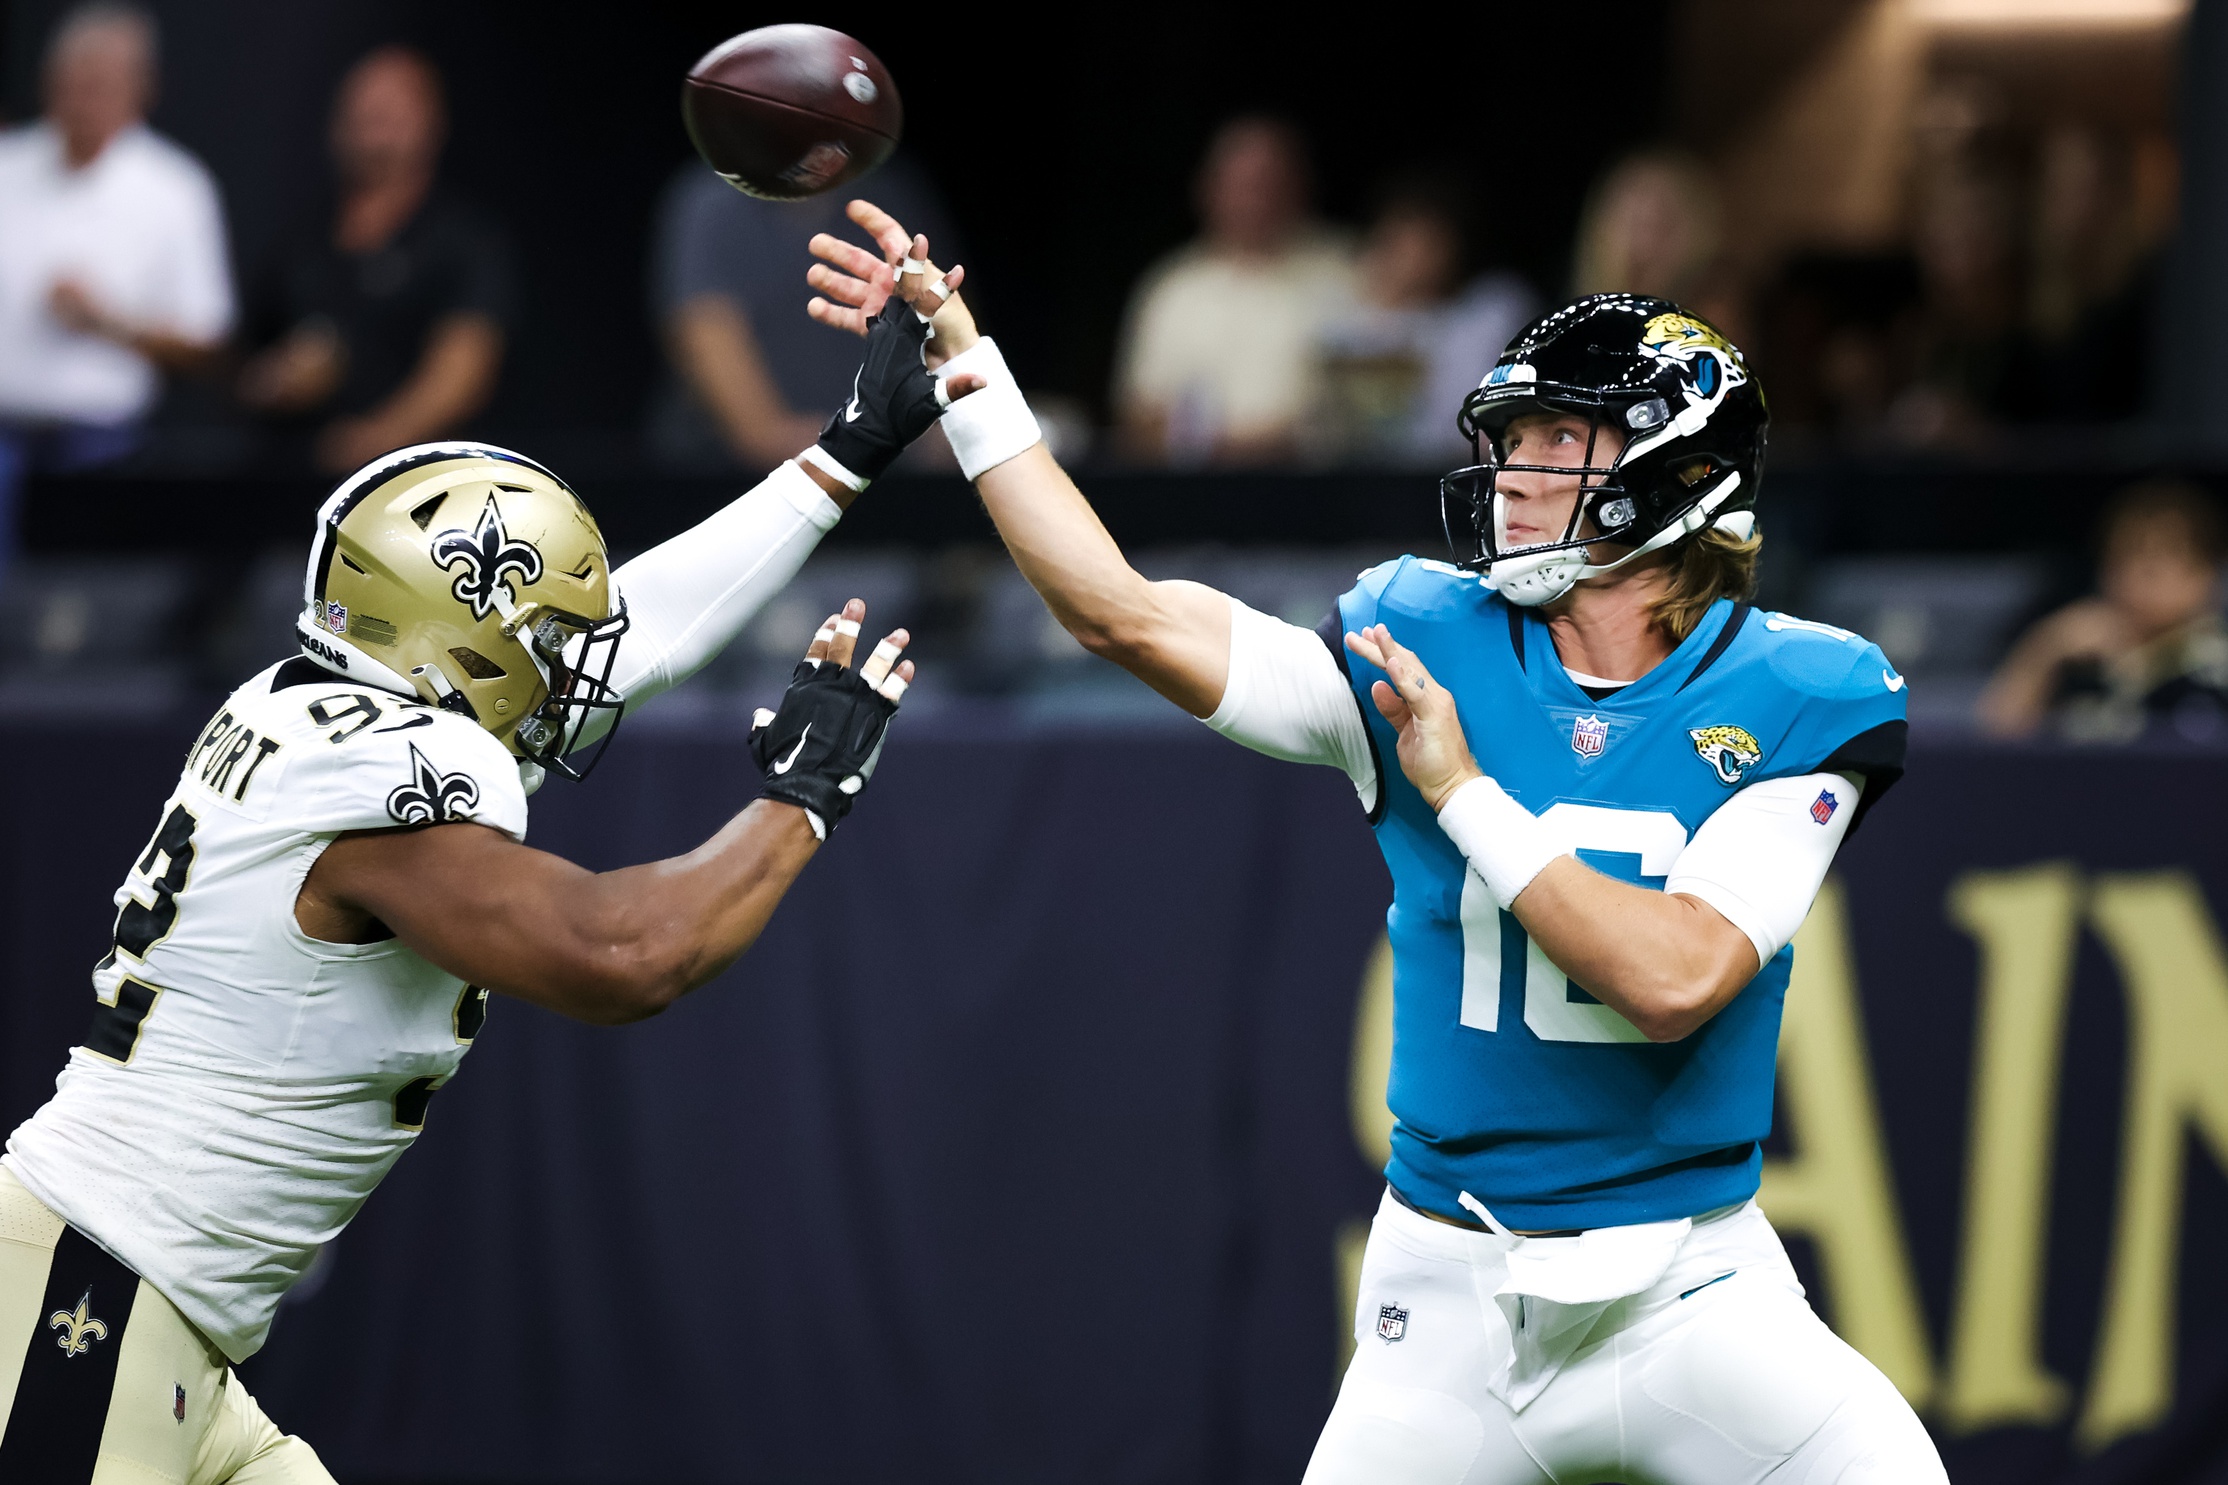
pixel 1699 571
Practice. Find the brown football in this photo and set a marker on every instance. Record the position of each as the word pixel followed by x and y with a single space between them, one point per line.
pixel 786 112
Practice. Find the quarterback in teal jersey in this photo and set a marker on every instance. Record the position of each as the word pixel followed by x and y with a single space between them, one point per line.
pixel 1608 789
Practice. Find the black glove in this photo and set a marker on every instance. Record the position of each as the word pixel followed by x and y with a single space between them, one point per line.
pixel 821 747
pixel 894 399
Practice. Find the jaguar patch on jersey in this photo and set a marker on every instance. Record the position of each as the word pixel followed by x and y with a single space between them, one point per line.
pixel 483 557
pixel 1729 751
pixel 433 797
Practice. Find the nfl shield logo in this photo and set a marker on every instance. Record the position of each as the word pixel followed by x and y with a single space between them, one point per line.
pixel 1588 736
pixel 336 617
pixel 1822 808
pixel 1392 1323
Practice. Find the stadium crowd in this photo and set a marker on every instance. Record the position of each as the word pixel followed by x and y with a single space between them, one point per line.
pixel 2022 296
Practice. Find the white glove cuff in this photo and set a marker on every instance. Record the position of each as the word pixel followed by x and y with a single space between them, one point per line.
pixel 991 425
pixel 820 459
pixel 1505 843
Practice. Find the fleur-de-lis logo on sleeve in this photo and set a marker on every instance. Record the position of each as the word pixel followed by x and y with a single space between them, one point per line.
pixel 79 1329
pixel 483 557
pixel 433 797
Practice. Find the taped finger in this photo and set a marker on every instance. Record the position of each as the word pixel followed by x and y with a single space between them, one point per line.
pixel 846 641
pixel 881 662
pixel 893 688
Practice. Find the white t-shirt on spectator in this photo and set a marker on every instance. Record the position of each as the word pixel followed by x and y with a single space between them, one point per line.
pixel 141 228
pixel 1226 346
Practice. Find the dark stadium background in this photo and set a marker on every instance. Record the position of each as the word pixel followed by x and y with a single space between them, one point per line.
pixel 1064 139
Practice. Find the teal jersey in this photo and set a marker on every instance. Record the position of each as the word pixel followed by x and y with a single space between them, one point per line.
pixel 1508 1081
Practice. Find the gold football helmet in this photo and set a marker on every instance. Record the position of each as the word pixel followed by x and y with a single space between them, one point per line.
pixel 475 579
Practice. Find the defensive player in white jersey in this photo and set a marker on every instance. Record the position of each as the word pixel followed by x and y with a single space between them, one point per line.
pixel 1619 786
pixel 305 950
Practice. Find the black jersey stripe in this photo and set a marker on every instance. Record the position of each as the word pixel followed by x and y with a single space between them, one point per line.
pixel 1877 754
pixel 1516 635
pixel 1332 631
pixel 302 671
pixel 1718 646
pixel 60 1407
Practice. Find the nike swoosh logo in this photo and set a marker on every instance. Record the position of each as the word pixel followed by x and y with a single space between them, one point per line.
pixel 851 412
pixel 785 764
pixel 1895 682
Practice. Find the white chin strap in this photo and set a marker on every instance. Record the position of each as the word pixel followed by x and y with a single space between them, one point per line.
pixel 1530 579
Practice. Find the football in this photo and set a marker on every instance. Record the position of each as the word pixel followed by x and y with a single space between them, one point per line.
pixel 786 112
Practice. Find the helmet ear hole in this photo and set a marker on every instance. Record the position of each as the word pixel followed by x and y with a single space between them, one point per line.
pixel 477 665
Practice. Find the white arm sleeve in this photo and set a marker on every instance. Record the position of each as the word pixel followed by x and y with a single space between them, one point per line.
pixel 1288 698
pixel 1761 858
pixel 687 597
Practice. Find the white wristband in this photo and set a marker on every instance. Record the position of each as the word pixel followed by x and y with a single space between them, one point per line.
pixel 993 423
pixel 1505 843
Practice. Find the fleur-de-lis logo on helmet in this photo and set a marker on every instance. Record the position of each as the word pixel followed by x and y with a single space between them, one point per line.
pixel 484 556
pixel 433 797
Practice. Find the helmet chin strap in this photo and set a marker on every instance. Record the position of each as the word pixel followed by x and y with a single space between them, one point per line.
pixel 1531 579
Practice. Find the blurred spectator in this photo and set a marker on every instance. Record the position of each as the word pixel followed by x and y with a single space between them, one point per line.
pixel 1654 225
pixel 2149 647
pixel 1397 365
pixel 757 377
pixel 1217 361
pixel 389 320
pixel 112 257
pixel 2087 353
pixel 1962 342
pixel 1830 349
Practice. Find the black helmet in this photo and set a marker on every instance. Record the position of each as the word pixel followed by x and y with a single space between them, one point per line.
pixel 1694 423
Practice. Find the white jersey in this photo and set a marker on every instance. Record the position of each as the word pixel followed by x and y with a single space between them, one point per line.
pixel 244 1086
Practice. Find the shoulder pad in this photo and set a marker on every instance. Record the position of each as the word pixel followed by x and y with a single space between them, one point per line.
pixel 1375 580
pixel 366 760
pixel 1822 660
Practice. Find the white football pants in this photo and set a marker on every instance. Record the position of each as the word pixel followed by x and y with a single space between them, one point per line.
pixel 1716 1373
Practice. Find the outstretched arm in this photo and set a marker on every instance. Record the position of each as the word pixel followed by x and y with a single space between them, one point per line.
pixel 1174 636
pixel 616 946
pixel 688 597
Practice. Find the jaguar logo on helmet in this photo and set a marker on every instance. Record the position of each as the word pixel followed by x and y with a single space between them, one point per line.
pixel 1675 425
pixel 1683 336
pixel 483 558
pixel 1700 347
pixel 1729 751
